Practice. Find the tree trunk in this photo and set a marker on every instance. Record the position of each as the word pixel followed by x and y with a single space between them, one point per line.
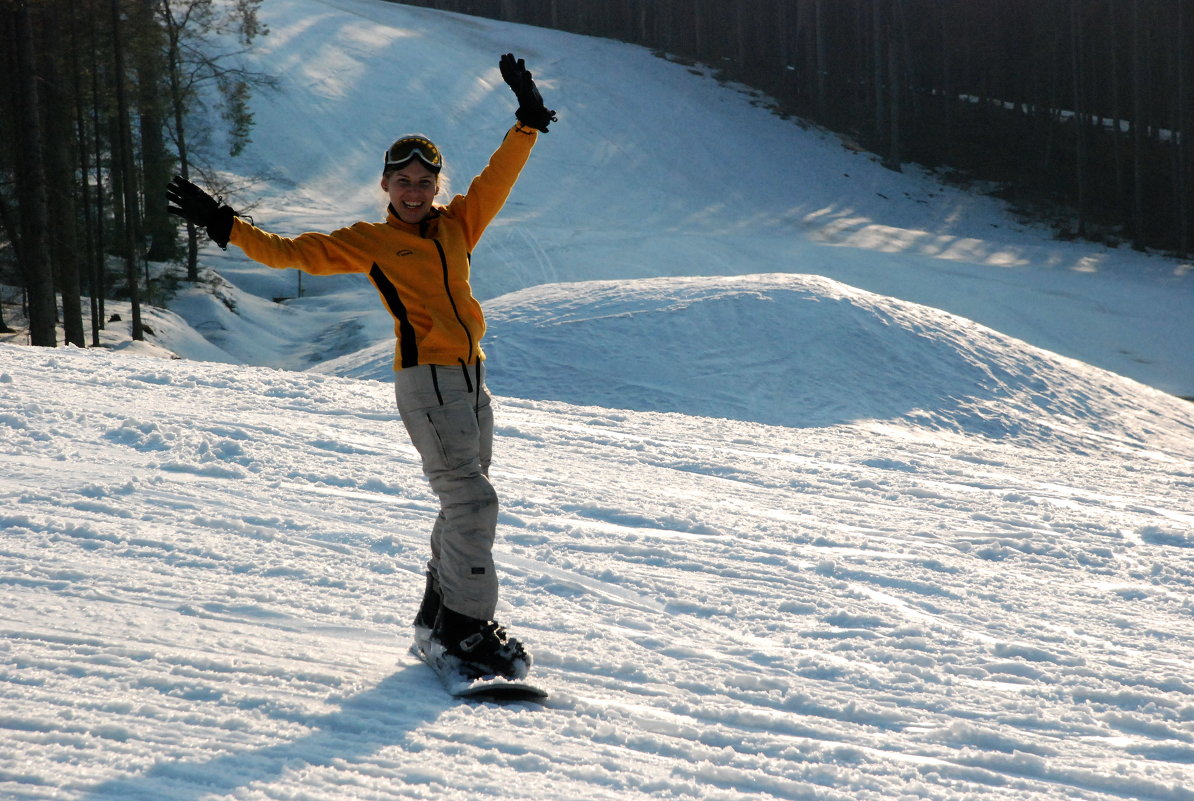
pixel 99 283
pixel 822 57
pixel 1139 81
pixel 126 170
pixel 1117 116
pixel 58 145
pixel 178 109
pixel 895 145
pixel 31 188
pixel 157 224
pixel 8 225
pixel 1181 131
pixel 88 255
pixel 948 95
pixel 879 66
pixel 1079 118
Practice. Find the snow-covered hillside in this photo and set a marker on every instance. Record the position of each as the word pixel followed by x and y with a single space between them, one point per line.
pixel 653 170
pixel 770 532
pixel 208 572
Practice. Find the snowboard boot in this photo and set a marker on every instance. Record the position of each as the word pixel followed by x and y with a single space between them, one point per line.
pixel 481 646
pixel 429 609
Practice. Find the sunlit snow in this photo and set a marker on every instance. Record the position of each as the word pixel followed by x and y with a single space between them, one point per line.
pixel 819 481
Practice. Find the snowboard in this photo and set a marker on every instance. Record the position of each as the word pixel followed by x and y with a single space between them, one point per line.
pixel 460 685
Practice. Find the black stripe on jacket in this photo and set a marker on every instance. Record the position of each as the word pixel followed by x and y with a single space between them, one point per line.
pixel 408 347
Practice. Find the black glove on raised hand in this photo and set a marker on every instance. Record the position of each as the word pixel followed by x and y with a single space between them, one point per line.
pixel 199 208
pixel 531 111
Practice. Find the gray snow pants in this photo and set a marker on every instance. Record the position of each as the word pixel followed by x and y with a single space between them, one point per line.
pixel 446 411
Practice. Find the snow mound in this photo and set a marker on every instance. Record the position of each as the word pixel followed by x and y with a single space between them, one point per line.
pixel 798 351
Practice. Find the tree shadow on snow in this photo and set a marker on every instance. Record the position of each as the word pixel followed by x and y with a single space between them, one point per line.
pixel 382 716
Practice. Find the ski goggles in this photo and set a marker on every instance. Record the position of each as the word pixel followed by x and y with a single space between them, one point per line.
pixel 410 147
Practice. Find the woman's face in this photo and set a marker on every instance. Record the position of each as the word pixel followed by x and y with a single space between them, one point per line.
pixel 411 190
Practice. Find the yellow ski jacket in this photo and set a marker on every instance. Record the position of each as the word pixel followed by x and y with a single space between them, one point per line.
pixel 421 271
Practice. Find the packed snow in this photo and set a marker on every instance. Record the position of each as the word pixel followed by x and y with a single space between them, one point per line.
pixel 814 486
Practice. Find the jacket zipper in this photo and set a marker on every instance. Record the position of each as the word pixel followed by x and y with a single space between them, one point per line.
pixel 443 260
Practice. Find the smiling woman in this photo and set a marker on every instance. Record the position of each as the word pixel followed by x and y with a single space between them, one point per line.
pixel 419 261
pixel 411 177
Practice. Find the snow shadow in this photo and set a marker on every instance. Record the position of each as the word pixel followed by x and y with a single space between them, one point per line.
pixel 382 716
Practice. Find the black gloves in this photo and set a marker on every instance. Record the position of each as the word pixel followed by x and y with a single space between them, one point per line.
pixel 199 208
pixel 531 112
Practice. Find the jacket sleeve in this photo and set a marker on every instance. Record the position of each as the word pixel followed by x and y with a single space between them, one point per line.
pixel 315 253
pixel 488 191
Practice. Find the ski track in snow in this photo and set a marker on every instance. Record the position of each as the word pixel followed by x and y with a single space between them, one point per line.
pixel 208 573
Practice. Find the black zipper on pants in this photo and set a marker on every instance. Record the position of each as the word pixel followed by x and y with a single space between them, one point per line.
pixel 473 386
pixel 435 383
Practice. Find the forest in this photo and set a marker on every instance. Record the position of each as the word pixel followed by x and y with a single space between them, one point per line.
pixel 1076 111
pixel 94 121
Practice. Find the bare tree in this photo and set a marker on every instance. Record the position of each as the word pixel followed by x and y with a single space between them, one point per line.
pixel 191 63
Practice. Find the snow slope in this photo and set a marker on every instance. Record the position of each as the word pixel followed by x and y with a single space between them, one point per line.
pixel 653 170
pixel 771 533
pixel 208 571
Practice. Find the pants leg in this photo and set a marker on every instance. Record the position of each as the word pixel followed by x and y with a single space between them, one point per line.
pixel 447 413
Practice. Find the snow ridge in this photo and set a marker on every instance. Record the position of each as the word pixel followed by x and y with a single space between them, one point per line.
pixel 799 351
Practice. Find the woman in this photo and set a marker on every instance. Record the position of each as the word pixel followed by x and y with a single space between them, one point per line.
pixel 418 259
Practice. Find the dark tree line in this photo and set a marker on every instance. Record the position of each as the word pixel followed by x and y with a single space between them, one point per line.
pixel 94 115
pixel 1082 105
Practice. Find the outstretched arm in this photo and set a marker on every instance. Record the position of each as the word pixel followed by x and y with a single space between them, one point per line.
pixel 315 253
